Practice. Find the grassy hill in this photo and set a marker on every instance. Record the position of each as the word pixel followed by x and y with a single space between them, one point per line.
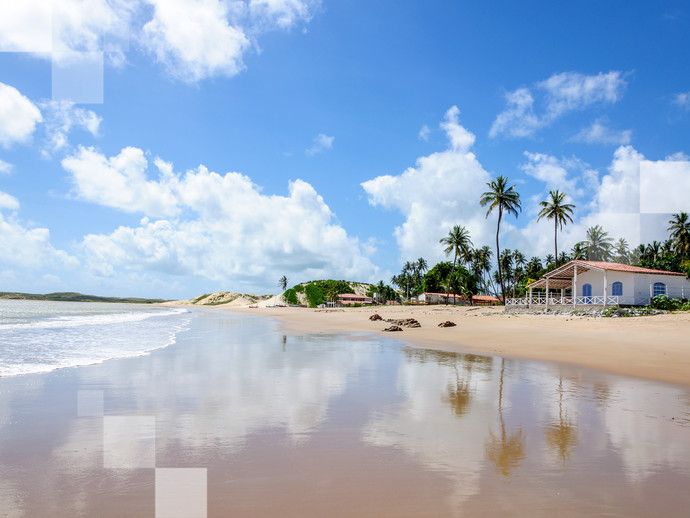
pixel 313 293
pixel 76 297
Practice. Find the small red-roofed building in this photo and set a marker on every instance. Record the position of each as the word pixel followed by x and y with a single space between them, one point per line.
pixel 456 300
pixel 350 299
pixel 600 283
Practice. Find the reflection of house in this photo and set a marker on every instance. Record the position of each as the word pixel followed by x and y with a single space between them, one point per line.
pixel 348 299
pixel 441 298
pixel 604 284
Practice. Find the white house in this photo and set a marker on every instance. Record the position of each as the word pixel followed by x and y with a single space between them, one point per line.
pixel 605 284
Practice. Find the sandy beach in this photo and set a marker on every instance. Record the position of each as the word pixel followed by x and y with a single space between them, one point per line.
pixel 652 347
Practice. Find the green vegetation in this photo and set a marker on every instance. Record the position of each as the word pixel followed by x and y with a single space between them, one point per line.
pixel 77 297
pixel 291 297
pixel 667 304
pixel 318 292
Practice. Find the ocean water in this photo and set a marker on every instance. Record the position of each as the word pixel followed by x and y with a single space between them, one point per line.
pixel 41 336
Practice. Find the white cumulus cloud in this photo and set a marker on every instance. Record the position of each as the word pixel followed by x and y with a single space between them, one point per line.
pixel 682 99
pixel 5 167
pixel 18 116
pixel 600 133
pixel 559 94
pixel 193 39
pixel 441 190
pixel 61 117
pixel 26 248
pixel 121 182
pixel 321 143
pixel 218 227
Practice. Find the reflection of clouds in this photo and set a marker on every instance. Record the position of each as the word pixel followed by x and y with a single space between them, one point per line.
pixel 233 382
pixel 644 425
pixel 427 426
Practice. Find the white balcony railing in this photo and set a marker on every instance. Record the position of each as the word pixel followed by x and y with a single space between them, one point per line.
pixel 594 300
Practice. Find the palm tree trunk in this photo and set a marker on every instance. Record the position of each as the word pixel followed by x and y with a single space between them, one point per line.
pixel 498 256
pixel 555 239
pixel 452 270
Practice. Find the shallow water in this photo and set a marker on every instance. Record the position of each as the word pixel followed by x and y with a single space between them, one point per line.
pixel 42 336
pixel 338 425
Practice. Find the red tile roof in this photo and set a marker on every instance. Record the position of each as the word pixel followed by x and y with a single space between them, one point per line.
pixel 618 267
pixel 487 298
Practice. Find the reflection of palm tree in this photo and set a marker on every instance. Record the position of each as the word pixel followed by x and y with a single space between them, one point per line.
pixel 561 437
pixel 505 451
pixel 459 396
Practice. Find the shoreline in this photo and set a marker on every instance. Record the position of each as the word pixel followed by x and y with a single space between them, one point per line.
pixel 655 348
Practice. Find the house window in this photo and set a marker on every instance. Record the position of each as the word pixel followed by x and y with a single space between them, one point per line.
pixel 586 290
pixel 658 289
pixel 617 289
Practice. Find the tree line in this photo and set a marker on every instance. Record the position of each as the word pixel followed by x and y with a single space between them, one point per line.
pixel 471 273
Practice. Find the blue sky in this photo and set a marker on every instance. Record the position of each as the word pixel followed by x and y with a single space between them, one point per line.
pixel 173 147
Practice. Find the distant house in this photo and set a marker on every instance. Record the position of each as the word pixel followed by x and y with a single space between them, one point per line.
pixel 455 300
pixel 585 283
pixel 349 299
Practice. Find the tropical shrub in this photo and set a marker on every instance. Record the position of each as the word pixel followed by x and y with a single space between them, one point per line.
pixel 290 296
pixel 665 303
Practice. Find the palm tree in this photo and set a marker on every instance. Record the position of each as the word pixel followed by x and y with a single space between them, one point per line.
pixel 407 272
pixel 598 244
pixel 680 234
pixel 579 251
pixel 559 212
pixel 458 243
pixel 481 265
pixel 653 251
pixel 422 265
pixel 283 282
pixel 506 263
pixel 506 199
pixel 549 260
pixel 534 266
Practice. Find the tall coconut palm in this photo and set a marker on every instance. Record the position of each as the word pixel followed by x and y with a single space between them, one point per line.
pixel 283 282
pixel 579 251
pixel 458 243
pixel 559 212
pixel 422 265
pixel 481 265
pixel 505 199
pixel 680 234
pixel 534 266
pixel 598 244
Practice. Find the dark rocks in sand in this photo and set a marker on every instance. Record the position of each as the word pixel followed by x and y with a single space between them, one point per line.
pixel 405 322
pixel 447 323
pixel 375 316
pixel 393 328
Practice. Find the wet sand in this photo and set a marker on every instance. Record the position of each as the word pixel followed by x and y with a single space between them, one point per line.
pixel 324 424
pixel 653 347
